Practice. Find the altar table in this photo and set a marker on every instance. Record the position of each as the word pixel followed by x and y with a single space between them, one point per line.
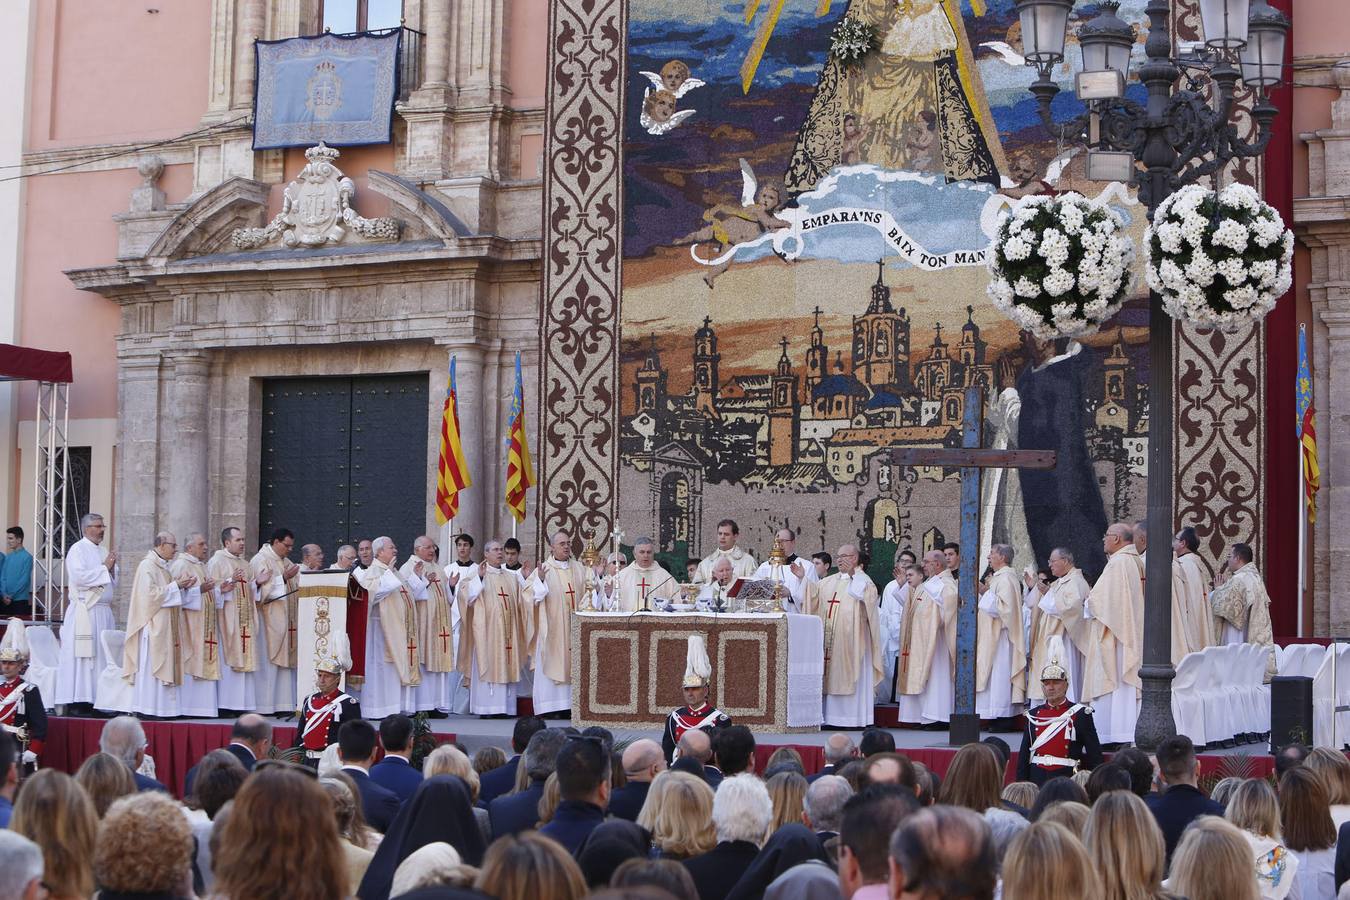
pixel 767 668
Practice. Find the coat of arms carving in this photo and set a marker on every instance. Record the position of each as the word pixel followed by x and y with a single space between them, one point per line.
pixel 323 91
pixel 316 209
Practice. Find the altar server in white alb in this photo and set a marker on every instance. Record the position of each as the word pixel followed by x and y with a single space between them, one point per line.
pixel 743 563
pixel 91 574
pixel 846 603
pixel 1001 659
pixel 557 586
pixel 462 570
pixel 154 658
pixel 433 594
pixel 498 629
pixel 393 658
pixel 200 621
pixel 242 656
pixel 795 573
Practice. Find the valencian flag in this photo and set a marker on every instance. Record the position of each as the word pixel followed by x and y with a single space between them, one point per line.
pixel 1307 431
pixel 519 472
pixel 452 472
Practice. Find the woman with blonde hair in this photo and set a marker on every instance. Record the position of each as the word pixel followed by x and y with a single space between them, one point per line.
pixel 974 780
pixel 530 867
pixel 1255 811
pixel 678 813
pixel 549 800
pixel 1047 862
pixel 1068 813
pixel 1305 821
pixel 786 790
pixel 105 778
pixel 785 756
pixel 1212 862
pixel 1334 770
pixel 447 759
pixel 356 857
pixel 1023 793
pixel 55 813
pixel 273 846
pixel 1126 847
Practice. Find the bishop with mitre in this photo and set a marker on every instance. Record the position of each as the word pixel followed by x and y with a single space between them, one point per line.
pixel 239 651
pixel 1114 653
pixel 199 617
pixel 556 588
pixel 156 652
pixel 279 599
pixel 1001 659
pixel 847 604
pixel 433 594
pixel 927 663
pixel 393 656
pixel 499 629
pixel 643 582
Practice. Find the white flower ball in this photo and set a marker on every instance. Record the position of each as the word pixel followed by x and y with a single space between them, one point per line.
pixel 1231 234
pixel 1025 287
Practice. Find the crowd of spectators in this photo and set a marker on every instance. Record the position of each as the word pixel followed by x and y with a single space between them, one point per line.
pixel 571 814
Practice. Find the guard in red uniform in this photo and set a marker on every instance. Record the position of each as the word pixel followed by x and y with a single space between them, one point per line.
pixel 1060 737
pixel 697 711
pixel 22 712
pixel 325 711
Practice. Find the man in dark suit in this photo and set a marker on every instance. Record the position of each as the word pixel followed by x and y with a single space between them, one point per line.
pixel 583 788
pixel 695 749
pixel 395 772
pixel 869 819
pixel 734 748
pixel 839 749
pixel 250 741
pixel 124 738
pixel 514 813
pixel 356 750
pixel 1182 802
pixel 742 816
pixel 502 779
pixel 643 760
pixel 823 810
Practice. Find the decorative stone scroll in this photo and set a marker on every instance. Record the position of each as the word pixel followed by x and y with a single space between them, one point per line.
pixel 317 209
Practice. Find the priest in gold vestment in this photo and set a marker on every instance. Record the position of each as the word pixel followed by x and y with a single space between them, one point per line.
pixel 1243 605
pixel 557 589
pixel 1115 650
pixel 156 653
pixel 1183 623
pixel 643 583
pixel 494 649
pixel 279 605
pixel 1001 659
pixel 201 608
pixel 393 655
pixel 433 595
pixel 927 663
pixel 239 626
pixel 1203 624
pixel 846 603
pixel 1059 612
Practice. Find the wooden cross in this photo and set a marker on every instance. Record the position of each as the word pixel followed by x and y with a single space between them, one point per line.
pixel 971 459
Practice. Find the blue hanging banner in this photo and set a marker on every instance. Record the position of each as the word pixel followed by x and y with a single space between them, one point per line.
pixel 339 89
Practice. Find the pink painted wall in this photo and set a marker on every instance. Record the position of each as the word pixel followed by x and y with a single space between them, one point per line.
pixel 1320 28
pixel 528 55
pixel 106 72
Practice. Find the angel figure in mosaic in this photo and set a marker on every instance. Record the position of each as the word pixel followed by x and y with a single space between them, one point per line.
pixel 674 77
pixel 729 226
pixel 924 64
pixel 659 114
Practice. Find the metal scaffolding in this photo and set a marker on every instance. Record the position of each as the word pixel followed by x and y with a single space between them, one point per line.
pixel 49 499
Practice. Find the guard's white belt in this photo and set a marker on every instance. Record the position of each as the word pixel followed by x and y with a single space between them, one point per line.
pixel 1053 761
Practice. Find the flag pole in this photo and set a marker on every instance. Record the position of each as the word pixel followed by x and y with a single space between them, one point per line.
pixel 1302 537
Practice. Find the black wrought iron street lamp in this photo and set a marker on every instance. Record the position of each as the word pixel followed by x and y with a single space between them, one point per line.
pixel 1178 136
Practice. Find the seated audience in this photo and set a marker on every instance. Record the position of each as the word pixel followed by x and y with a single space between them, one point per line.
pixel 1068 813
pixel 529 867
pixel 1109 777
pixel 105 778
pixel 678 813
pixel 839 749
pixel 869 818
pixel 1140 767
pixel 144 850
pixel 21 867
pixel 974 779
pixel 734 747
pixel 487 759
pixel 440 811
pixel 696 757
pixel 888 768
pixel 663 874
pixel 787 790
pixel 1334 769
pixel 124 738
pixel 355 856
pixel 823 810
pixel 55 813
pixel 942 852
pixel 448 759
pixel 1305 820
pixel 583 770
pixel 1212 862
pixel 1127 848
pixel 250 741
pixel 1181 801
pixel 741 813
pixel 784 757
pixel 1023 793
pixel 357 748
pixel 875 740
pixel 395 773
pixel 1254 809
pixel 1047 862
pixel 219 777
pixel 1004 825
pixel 516 812
pixel 502 779
pixel 611 844
pixel 642 761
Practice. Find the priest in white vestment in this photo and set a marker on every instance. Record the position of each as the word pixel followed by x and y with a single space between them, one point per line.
pixel 1242 604
pixel 1202 620
pixel 716 594
pixel 154 658
pixel 1001 659
pixel 642 585
pixel 1112 656
pixel 393 657
pixel 743 564
pixel 1059 613
pixel 927 661
pixel 890 613
pixel 494 652
pixel 200 620
pixel 241 654
pixel 463 570
pixel 795 573
pixel 433 595
pixel 91 577
pixel 846 603
pixel 279 605
pixel 557 588
pixel 1183 624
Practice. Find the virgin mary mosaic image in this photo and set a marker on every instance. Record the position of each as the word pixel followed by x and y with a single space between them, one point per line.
pixel 804 284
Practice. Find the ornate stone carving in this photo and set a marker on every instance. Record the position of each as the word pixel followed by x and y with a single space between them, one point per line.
pixel 316 209
pixel 148 197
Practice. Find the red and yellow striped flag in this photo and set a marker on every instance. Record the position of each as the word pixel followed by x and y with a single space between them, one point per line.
pixel 519 471
pixel 452 472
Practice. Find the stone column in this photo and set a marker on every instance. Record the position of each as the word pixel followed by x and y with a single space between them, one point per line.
pixel 135 519
pixel 436 23
pixel 186 437
pixel 250 23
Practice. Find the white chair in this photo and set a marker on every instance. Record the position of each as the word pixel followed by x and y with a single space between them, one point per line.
pixel 44 656
pixel 1256 708
pixel 1310 662
pixel 1221 717
pixel 1188 707
pixel 1322 700
pixel 112 693
pixel 1262 693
